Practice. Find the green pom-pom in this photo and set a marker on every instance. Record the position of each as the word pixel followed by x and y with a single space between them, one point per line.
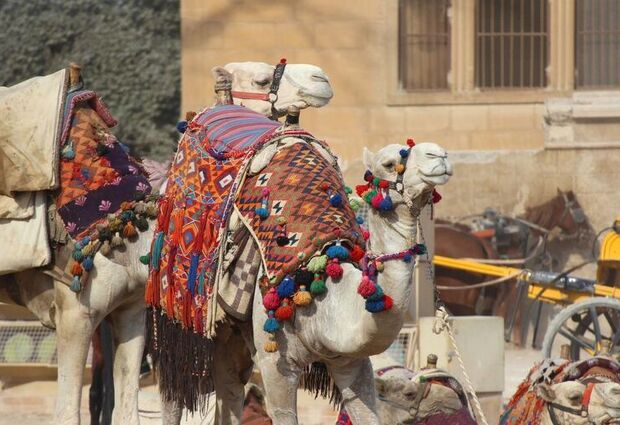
pixel 317 264
pixel 348 190
pixel 376 181
pixel 371 194
pixel 317 287
pixel 145 259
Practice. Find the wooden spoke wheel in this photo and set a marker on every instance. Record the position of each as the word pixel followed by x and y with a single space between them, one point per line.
pixel 590 328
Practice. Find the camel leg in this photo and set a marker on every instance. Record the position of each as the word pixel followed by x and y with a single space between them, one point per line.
pixel 128 328
pixel 74 329
pixel 231 362
pixel 357 385
pixel 281 379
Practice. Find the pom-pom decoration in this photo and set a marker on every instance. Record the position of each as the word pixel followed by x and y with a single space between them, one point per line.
pixel 436 196
pixel 356 254
pixel 386 204
pixel 303 277
pixel 271 300
pixel 302 297
pixel 271 324
pixel 338 251
pixel 318 286
pixel 335 200
pixel 366 287
pixel 410 143
pixel 182 126
pixel 88 264
pixel 76 285
pixel 317 264
pixel 286 288
pixel 270 346
pixel 334 270
pixel 284 312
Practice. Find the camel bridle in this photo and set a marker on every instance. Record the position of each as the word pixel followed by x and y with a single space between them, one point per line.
pixel 272 95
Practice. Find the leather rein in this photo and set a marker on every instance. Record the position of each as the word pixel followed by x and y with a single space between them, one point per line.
pixel 582 412
pixel 272 95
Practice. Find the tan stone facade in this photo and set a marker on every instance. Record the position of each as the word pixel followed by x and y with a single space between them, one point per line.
pixel 355 42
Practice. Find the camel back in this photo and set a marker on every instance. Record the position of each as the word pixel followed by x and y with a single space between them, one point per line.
pixel 292 208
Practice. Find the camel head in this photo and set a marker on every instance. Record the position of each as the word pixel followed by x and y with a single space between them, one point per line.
pixel 301 85
pixel 398 400
pixel 603 408
pixel 423 167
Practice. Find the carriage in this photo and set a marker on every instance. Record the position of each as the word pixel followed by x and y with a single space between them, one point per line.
pixel 589 323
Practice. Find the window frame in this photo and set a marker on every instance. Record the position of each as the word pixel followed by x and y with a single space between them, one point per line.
pixel 560 71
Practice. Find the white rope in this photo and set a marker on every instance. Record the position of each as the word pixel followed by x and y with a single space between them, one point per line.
pixel 442 323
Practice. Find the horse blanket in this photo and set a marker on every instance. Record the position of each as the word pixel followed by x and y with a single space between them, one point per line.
pixel 290 208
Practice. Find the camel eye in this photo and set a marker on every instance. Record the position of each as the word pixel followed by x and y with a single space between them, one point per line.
pixel 389 165
pixel 410 395
pixel 263 83
pixel 574 398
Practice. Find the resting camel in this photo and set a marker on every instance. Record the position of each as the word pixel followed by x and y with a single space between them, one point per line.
pixel 116 284
pixel 337 330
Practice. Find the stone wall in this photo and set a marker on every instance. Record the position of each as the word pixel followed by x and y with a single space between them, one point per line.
pixel 350 40
pixel 129 52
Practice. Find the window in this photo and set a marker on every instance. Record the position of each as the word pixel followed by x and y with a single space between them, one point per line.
pixel 597 44
pixel 511 44
pixel 424 44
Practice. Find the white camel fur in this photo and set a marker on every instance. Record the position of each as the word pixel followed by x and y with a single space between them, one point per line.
pixel 116 285
pixel 336 330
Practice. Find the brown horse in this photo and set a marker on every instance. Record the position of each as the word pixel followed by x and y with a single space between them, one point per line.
pixel 562 212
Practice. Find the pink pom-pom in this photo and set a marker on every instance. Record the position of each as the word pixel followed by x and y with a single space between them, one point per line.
pixel 376 201
pixel 271 300
pixel 334 270
pixel 366 287
pixel 265 191
pixel 365 234
pixel 388 302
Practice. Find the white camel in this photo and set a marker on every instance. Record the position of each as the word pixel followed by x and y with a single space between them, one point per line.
pixel 116 284
pixel 337 330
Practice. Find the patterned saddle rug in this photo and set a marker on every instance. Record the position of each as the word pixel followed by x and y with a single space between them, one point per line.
pixel 294 209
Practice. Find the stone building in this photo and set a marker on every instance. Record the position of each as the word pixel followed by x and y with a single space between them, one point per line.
pixel 522 93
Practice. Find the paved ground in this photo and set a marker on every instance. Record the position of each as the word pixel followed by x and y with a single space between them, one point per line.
pixel 32 403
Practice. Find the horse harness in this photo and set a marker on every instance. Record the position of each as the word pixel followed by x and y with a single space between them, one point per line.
pixel 583 411
pixel 272 95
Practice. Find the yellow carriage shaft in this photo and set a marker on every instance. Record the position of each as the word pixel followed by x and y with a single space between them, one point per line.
pixel 541 291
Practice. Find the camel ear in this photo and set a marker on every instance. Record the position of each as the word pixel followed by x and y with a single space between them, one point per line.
pixel 545 392
pixel 369 158
pixel 221 74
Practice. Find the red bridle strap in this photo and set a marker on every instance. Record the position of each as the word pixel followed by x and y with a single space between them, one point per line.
pixel 250 95
pixel 585 401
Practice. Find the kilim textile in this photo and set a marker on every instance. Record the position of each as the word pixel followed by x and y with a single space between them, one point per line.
pixel 297 178
pixel 96 171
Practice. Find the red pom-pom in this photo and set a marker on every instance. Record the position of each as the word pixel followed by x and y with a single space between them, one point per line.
pixel 384 184
pixel 283 61
pixel 436 196
pixel 388 302
pixel 334 270
pixel 366 287
pixel 410 143
pixel 284 313
pixel 325 186
pixel 376 201
pixel 357 253
pixel 271 300
pixel 361 188
pixel 365 234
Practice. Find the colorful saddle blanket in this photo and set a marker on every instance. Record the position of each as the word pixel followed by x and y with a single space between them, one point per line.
pixel 97 174
pixel 293 208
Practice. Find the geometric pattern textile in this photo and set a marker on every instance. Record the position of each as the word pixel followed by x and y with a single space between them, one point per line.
pixel 97 174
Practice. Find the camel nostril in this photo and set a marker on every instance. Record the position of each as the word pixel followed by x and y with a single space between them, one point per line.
pixel 319 78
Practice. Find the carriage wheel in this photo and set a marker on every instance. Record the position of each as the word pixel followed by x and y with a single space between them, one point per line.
pixel 588 327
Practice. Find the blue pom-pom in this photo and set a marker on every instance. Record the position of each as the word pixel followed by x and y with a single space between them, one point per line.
pixel 88 264
pixel 182 126
pixel 386 204
pixel 76 286
pixel 337 251
pixel 335 200
pixel 375 306
pixel 359 219
pixel 407 258
pixel 404 153
pixel 271 325
pixel 377 295
pixel 262 212
pixel 286 288
pixel 77 255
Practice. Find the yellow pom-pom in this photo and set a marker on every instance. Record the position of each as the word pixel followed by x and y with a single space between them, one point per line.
pixel 271 346
pixel 129 230
pixel 380 266
pixel 400 168
pixel 302 297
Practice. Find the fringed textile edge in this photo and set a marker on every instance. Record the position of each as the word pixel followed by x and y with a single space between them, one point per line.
pixel 316 379
pixel 183 359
